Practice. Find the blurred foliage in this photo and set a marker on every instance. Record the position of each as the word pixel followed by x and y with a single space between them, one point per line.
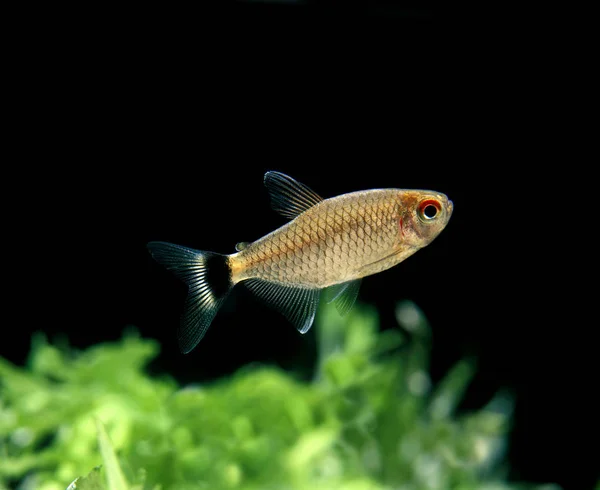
pixel 370 420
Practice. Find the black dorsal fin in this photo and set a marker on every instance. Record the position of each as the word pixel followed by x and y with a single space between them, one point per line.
pixel 289 197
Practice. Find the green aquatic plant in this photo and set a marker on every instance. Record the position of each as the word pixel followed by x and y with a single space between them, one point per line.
pixel 370 420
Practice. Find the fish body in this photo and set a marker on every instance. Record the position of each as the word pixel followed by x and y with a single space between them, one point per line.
pixel 329 244
pixel 337 240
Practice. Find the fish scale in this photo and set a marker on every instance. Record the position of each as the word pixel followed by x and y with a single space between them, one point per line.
pixel 327 244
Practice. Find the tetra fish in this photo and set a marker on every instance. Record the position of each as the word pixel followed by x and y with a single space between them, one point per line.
pixel 329 244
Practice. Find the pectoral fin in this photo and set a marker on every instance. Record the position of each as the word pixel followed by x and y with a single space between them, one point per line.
pixel 343 295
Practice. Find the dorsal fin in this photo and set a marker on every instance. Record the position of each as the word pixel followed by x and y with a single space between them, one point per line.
pixel 289 197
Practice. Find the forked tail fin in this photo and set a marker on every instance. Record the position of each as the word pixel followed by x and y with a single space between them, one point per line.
pixel 208 278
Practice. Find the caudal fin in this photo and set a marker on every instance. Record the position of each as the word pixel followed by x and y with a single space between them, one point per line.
pixel 207 275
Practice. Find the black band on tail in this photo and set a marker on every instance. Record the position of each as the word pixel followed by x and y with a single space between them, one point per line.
pixel 208 277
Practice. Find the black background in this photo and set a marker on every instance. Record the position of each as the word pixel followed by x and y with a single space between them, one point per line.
pixel 153 124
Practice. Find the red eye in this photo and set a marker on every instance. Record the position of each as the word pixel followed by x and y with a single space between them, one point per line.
pixel 429 209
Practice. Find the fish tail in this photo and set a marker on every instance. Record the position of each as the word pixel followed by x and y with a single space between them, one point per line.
pixel 208 277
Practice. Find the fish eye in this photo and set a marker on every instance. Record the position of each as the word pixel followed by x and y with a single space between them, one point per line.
pixel 429 209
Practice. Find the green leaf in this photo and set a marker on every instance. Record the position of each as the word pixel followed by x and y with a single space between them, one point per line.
pixel 93 481
pixel 370 418
pixel 114 475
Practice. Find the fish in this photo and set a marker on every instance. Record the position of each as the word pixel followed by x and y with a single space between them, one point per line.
pixel 327 246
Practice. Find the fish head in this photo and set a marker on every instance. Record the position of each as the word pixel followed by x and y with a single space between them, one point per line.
pixel 423 215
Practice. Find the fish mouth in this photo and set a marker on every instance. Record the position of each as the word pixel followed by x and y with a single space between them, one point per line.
pixel 450 207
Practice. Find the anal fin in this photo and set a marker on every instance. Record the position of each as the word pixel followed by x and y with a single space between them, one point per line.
pixel 297 304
